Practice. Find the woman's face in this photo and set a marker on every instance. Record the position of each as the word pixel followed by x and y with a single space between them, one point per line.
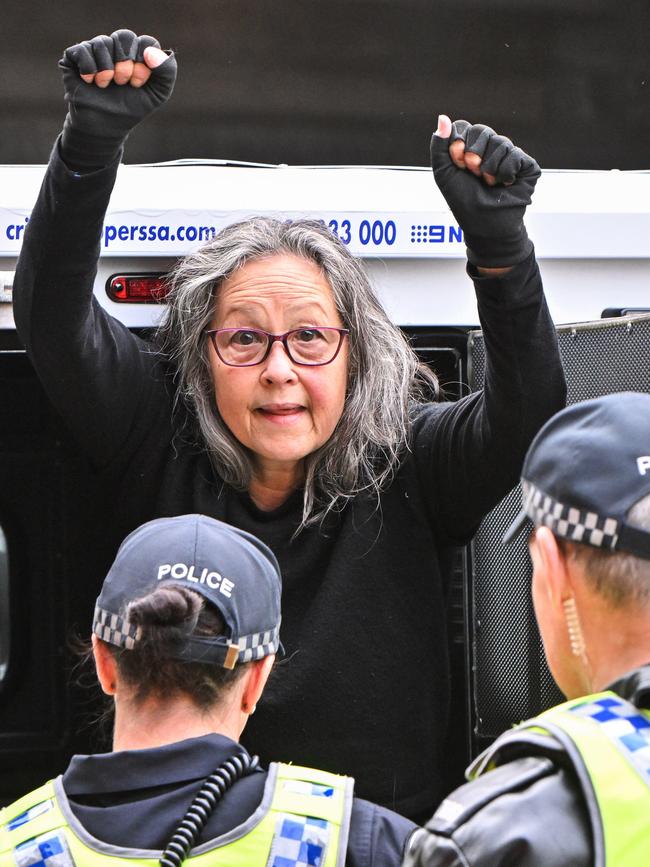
pixel 280 410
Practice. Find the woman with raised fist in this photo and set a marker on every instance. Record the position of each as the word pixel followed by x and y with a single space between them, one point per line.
pixel 278 396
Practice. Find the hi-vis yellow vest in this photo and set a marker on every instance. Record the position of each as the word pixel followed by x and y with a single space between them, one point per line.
pixel 303 819
pixel 608 741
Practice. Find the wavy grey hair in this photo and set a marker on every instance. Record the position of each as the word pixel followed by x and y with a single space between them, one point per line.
pixel 384 379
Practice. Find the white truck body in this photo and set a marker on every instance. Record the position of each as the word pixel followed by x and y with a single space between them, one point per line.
pixel 591 231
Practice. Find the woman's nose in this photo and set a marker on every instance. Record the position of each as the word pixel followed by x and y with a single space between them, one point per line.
pixel 278 367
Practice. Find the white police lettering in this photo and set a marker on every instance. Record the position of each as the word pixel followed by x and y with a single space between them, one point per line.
pixel 643 463
pixel 213 579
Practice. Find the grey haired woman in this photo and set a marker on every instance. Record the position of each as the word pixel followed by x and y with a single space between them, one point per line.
pixel 279 398
pixel 373 384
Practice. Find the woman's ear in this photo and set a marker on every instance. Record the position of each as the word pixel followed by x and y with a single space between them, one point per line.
pixel 105 665
pixel 257 676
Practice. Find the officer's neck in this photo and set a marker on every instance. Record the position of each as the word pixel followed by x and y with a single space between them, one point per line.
pixel 152 723
pixel 616 637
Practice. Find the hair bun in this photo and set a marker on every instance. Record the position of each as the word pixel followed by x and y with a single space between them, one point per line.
pixel 168 605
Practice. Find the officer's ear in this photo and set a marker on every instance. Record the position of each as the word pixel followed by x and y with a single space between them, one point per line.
pixel 105 665
pixel 255 681
pixel 549 566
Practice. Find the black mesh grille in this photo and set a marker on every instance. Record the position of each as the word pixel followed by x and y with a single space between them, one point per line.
pixel 510 678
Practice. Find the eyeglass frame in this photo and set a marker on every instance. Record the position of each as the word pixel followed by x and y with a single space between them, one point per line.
pixel 273 338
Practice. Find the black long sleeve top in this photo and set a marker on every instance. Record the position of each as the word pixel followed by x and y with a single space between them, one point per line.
pixel 364 689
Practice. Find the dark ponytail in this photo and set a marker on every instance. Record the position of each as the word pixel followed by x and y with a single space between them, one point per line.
pixel 167 616
pixel 172 611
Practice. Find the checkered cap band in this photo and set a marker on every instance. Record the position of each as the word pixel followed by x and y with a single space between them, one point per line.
pixel 48 850
pixel 118 631
pixel 576 525
pixel 625 725
pixel 258 645
pixel 299 841
pixel 115 629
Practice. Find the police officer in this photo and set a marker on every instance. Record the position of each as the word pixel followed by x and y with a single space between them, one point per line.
pixel 185 633
pixel 573 785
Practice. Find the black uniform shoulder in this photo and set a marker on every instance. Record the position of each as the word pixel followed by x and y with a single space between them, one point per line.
pixel 468 800
pixel 378 837
pixel 635 686
pixel 528 811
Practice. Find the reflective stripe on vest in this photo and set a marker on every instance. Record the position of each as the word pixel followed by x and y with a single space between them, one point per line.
pixel 607 740
pixel 613 740
pixel 303 821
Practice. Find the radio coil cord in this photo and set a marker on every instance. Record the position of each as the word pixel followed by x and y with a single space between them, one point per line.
pixel 203 805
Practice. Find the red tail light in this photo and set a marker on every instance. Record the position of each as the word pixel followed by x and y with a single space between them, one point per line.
pixel 137 288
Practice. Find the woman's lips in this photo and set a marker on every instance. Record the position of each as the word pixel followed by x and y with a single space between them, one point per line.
pixel 281 412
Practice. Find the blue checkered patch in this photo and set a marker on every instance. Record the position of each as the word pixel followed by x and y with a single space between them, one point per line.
pixel 625 725
pixel 299 841
pixel 28 815
pixel 48 850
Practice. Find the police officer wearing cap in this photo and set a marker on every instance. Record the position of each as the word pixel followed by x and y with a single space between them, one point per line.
pixel 185 633
pixel 572 787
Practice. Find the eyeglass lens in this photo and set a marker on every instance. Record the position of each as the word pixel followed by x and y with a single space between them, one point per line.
pixel 305 345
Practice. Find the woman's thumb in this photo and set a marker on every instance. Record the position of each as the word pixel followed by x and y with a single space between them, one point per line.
pixel 444 126
pixel 154 57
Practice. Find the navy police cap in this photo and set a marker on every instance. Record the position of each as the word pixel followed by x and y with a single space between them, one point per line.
pixel 231 569
pixel 585 469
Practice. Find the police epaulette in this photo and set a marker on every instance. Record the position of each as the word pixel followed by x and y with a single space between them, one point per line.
pixel 520 743
pixel 472 797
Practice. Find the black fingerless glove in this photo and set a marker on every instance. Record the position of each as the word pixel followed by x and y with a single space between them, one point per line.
pixel 100 119
pixel 492 218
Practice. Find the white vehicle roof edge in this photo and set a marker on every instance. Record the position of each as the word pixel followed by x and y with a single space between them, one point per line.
pixel 590 230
